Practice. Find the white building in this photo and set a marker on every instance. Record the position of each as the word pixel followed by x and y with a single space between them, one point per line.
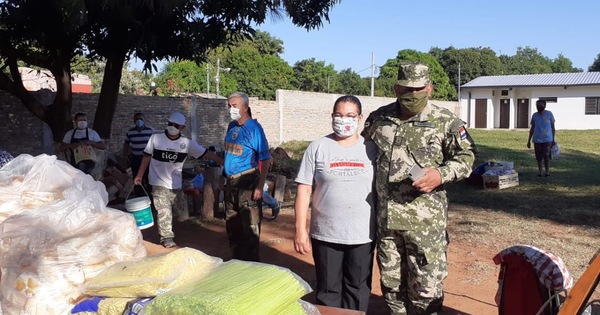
pixel 508 101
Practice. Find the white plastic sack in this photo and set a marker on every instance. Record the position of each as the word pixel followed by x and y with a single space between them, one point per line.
pixel 56 233
pixel 555 151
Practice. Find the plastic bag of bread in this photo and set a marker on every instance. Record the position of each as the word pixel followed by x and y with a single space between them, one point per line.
pixel 152 275
pixel 51 246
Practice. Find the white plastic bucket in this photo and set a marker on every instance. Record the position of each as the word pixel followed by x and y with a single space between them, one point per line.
pixel 141 210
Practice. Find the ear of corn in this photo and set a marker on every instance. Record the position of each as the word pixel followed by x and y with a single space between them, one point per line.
pixel 236 287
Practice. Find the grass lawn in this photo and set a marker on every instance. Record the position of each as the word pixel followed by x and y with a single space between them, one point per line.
pixel 560 213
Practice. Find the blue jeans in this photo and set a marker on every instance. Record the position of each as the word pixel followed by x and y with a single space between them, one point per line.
pixel 270 201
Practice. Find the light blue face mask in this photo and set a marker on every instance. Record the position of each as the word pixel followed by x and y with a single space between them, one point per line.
pixel 139 123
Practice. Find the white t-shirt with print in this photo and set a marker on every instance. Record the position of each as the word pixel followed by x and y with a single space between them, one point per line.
pixel 168 157
pixel 342 203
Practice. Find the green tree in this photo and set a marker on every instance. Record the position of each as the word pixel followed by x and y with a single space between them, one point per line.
pixel 474 62
pixel 595 65
pixel 527 61
pixel 350 82
pixel 315 76
pixel 49 33
pixel 562 64
pixel 388 73
pixel 187 77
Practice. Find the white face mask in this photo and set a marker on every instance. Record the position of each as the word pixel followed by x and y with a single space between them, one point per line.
pixel 171 130
pixel 82 124
pixel 344 127
pixel 234 113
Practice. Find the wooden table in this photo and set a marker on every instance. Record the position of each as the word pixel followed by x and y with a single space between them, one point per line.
pixel 326 310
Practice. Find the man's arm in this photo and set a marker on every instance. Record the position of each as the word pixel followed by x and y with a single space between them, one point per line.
pixel 143 166
pixel 461 154
pixel 553 134
pixel 258 191
pixel 210 155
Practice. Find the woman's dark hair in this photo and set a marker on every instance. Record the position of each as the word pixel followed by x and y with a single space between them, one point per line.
pixel 350 99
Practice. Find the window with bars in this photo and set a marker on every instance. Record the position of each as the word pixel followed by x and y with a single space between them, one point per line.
pixel 592 105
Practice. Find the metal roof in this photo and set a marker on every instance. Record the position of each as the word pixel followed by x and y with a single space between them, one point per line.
pixel 531 80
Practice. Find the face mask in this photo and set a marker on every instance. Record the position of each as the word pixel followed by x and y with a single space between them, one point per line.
pixel 139 123
pixel 234 113
pixel 540 109
pixel 413 103
pixel 82 124
pixel 344 127
pixel 172 131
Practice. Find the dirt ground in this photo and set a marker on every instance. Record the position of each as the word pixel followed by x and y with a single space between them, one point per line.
pixel 469 288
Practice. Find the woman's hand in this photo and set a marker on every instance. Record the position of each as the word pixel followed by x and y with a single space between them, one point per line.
pixel 302 242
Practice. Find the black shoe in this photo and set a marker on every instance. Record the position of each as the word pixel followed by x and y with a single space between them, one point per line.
pixel 274 214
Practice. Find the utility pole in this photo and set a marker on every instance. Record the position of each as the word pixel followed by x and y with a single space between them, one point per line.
pixel 372 74
pixel 218 77
pixel 459 82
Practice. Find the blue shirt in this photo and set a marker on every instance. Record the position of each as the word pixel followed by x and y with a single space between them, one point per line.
pixel 542 130
pixel 245 145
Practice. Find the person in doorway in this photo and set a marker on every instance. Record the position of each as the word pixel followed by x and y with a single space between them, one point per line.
pixel 339 168
pixel 542 133
pixel 79 144
pixel 136 140
pixel 245 146
pixel 165 153
pixel 412 214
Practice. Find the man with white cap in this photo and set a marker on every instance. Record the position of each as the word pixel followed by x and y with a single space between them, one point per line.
pixel 421 147
pixel 166 153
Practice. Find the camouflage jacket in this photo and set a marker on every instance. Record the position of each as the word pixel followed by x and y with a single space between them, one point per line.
pixel 435 138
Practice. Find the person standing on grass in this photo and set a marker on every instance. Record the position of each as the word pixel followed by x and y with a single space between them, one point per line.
pixel 542 133
pixel 338 171
pixel 412 214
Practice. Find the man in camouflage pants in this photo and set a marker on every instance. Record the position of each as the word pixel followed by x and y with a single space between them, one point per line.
pixel 412 215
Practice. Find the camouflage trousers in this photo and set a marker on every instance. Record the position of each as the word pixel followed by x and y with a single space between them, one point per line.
pixel 166 201
pixel 412 266
pixel 243 217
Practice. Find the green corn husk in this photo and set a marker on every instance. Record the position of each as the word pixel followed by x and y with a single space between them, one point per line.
pixel 235 288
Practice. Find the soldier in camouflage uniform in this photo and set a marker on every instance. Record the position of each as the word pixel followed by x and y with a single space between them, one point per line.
pixel 412 216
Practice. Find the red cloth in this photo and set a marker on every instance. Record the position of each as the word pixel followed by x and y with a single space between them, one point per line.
pixel 518 289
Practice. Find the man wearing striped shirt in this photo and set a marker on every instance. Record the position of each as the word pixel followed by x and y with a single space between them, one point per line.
pixel 135 142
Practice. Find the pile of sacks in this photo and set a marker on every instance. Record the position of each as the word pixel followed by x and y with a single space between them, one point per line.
pixel 62 251
pixel 55 233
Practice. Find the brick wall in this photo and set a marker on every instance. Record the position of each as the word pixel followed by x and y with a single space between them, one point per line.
pixel 295 115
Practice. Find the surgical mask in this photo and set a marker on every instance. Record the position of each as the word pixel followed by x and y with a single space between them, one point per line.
pixel 172 130
pixel 139 123
pixel 82 124
pixel 413 103
pixel 234 113
pixel 344 127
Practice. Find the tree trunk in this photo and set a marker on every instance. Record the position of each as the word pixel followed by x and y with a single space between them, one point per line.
pixel 109 95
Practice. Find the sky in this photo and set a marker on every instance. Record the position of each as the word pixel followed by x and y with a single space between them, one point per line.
pixel 360 28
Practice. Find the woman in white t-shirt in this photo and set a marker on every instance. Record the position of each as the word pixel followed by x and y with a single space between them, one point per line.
pixel 339 169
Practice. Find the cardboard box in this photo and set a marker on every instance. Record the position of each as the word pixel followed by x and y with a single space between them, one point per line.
pixel 500 182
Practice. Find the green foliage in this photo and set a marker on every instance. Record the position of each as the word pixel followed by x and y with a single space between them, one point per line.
pixel 596 64
pixel 527 61
pixel 562 64
pixel 442 90
pixel 184 77
pixel 315 76
pixel 474 62
pixel 350 82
